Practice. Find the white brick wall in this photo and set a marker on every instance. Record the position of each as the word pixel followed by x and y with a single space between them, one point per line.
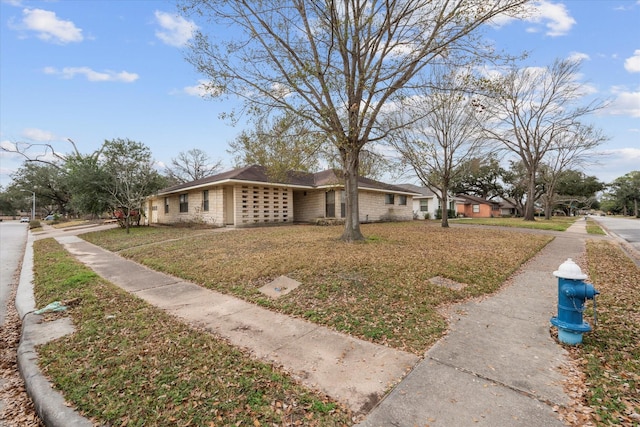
pixel 195 213
pixel 264 204
pixel 308 205
pixel 373 208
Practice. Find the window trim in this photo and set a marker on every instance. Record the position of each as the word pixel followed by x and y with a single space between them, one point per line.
pixel 389 199
pixel 184 202
pixel 205 200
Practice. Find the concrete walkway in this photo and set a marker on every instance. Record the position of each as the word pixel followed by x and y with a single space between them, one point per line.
pixel 350 370
pixel 498 365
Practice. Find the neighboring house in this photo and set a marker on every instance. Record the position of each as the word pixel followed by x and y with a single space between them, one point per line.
pixel 427 202
pixel 246 197
pixel 508 209
pixel 477 207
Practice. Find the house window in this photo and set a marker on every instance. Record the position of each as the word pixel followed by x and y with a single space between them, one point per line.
pixel 330 200
pixel 424 205
pixel 184 203
pixel 343 210
pixel 205 200
pixel 166 205
pixel 476 208
pixel 388 199
pixel 402 200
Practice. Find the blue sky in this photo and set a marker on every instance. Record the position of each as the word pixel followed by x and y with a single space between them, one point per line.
pixel 103 69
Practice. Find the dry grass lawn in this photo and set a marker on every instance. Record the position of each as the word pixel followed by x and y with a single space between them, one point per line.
pixel 379 290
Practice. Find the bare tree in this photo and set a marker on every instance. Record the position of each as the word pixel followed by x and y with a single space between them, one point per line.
pixel 282 144
pixel 533 110
pixel 444 134
pixel 191 165
pixel 571 149
pixel 336 64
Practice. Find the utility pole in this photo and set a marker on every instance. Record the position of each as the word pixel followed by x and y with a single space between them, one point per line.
pixel 33 207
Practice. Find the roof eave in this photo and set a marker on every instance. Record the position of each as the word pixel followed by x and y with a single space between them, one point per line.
pixel 231 181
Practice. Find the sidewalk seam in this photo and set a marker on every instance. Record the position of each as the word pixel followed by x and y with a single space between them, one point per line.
pixel 493 381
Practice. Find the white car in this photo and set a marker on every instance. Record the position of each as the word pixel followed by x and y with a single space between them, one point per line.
pixel 25 219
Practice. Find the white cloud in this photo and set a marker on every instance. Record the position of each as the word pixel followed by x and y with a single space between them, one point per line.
pixel 49 27
pixel 625 104
pixel 93 76
pixel 578 56
pixel 7 146
pixel 616 162
pixel 557 18
pixel 38 135
pixel 176 31
pixel 554 16
pixel 197 90
pixel 202 89
pixel 632 64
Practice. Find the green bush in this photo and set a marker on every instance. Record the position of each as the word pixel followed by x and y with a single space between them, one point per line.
pixel 451 213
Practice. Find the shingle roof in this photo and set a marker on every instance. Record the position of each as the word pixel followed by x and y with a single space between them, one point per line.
pixel 423 191
pixel 476 199
pixel 257 173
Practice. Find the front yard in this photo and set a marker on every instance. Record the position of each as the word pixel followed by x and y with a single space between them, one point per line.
pixel 131 364
pixel 379 290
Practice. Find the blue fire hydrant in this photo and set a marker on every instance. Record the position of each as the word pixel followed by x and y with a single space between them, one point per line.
pixel 572 294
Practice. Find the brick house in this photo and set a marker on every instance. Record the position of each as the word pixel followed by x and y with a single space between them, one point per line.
pixel 477 207
pixel 248 197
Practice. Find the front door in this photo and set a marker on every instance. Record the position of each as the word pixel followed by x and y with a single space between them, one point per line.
pixel 228 206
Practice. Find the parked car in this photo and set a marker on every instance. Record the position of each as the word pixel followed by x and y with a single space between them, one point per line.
pixel 49 217
pixel 25 219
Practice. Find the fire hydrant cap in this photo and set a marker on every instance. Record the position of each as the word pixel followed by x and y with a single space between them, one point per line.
pixel 570 270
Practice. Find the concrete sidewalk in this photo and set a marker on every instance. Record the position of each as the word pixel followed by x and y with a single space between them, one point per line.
pixel 498 365
pixel 355 372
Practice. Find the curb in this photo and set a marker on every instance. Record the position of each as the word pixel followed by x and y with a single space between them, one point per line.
pixel 49 403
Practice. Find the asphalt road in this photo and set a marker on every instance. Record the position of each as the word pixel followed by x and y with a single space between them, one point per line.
pixel 13 238
pixel 626 228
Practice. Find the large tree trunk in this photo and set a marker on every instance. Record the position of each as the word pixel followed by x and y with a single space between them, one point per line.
pixel 529 207
pixel 352 231
pixel 548 207
pixel 445 209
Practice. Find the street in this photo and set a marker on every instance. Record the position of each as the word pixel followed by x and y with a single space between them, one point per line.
pixel 16 408
pixel 626 228
pixel 13 238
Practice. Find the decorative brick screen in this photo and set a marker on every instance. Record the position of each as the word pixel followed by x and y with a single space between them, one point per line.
pixel 264 205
